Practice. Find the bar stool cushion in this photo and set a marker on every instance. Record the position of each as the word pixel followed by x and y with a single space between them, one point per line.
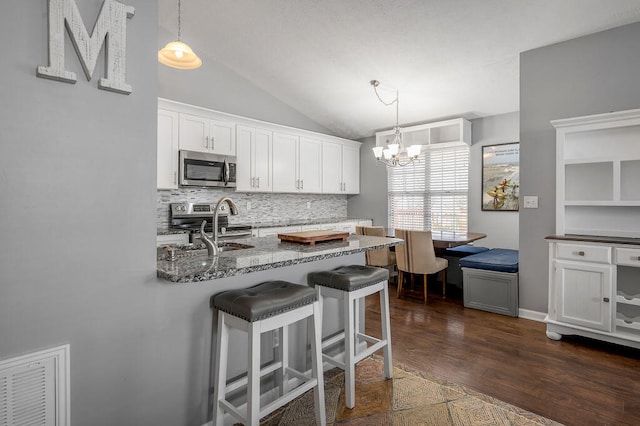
pixel 264 300
pixel 349 278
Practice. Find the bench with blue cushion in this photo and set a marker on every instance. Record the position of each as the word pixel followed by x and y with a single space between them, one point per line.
pixel 464 250
pixel 491 281
pixel 501 260
pixel 453 256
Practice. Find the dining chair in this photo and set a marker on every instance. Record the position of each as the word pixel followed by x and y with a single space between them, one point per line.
pixel 383 258
pixel 417 256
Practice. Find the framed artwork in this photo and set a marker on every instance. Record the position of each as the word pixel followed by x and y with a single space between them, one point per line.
pixel 501 177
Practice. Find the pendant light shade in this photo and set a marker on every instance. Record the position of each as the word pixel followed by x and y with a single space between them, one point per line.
pixel 177 54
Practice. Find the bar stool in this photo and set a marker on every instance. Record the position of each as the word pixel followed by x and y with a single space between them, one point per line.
pixel 349 284
pixel 265 307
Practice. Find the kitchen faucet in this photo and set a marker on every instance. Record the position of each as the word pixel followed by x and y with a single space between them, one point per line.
pixel 212 244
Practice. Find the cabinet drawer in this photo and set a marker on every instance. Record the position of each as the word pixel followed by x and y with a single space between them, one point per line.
pixel 628 257
pixel 584 253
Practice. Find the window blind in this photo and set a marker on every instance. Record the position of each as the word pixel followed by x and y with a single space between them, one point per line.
pixel 432 193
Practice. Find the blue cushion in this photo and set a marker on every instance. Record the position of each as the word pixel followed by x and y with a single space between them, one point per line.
pixel 501 260
pixel 466 250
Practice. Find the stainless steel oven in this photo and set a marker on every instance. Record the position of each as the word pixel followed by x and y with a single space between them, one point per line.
pixel 203 169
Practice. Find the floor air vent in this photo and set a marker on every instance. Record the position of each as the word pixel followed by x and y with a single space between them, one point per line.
pixel 34 389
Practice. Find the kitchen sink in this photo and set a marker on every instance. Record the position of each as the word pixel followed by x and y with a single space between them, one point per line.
pixel 193 250
pixel 227 246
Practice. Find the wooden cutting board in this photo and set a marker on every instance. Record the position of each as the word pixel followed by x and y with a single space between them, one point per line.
pixel 312 237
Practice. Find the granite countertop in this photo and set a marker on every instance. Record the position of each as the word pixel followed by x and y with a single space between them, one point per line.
pixel 267 253
pixel 595 239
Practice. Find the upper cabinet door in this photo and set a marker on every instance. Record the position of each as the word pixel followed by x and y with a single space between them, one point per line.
pixel 262 159
pixel 194 133
pixel 254 156
pixel 167 154
pixel 310 165
pixel 351 169
pixel 285 154
pixel 245 137
pixel 331 168
pixel 203 134
pixel 223 138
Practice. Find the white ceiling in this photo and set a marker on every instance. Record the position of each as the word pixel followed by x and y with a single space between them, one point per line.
pixel 448 58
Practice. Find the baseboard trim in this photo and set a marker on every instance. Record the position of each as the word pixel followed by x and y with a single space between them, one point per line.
pixel 532 315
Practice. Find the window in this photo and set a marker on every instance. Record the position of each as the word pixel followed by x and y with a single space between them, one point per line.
pixel 431 194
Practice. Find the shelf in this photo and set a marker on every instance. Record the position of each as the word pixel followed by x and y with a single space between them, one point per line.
pixel 589 181
pixel 622 299
pixel 603 203
pixel 439 134
pixel 623 323
pixel 630 180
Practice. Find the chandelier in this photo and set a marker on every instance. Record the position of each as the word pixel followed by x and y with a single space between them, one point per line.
pixel 394 154
pixel 177 54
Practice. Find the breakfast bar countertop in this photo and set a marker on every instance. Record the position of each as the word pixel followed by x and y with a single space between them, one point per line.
pixel 266 253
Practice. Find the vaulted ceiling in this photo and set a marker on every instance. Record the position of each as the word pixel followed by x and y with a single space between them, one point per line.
pixel 447 58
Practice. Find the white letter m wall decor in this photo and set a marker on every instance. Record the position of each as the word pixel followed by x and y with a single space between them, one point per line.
pixel 110 25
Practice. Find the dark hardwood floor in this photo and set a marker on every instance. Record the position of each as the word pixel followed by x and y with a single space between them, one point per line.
pixel 575 381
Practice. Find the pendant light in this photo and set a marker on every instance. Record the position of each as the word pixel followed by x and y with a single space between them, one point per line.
pixel 394 154
pixel 177 54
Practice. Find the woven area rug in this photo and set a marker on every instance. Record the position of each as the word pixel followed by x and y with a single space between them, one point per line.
pixel 410 398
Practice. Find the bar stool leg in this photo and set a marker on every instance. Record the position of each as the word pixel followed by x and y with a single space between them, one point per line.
pixel 283 352
pixel 315 337
pixel 386 330
pixel 349 352
pixel 253 388
pixel 222 350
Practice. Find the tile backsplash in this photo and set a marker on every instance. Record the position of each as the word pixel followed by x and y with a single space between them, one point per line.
pixel 265 207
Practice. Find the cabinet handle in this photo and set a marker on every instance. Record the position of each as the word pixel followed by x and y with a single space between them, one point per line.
pixel 258 182
pixel 301 183
pixel 212 142
pixel 206 142
pixel 580 253
pixel 605 299
pixel 175 178
pixel 253 182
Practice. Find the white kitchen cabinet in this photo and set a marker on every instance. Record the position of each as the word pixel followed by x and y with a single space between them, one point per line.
pixel 296 163
pixel 254 159
pixel 594 288
pixel 583 294
pixel 597 174
pixel 340 168
pixel 167 149
pixel 203 134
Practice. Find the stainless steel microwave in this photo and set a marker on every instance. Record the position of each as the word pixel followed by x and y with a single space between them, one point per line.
pixel 204 169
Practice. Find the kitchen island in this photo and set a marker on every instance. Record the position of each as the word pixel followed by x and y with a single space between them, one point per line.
pixel 265 253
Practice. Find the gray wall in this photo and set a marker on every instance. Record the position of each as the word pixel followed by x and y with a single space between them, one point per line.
pixel 501 227
pixel 371 203
pixel 78 200
pixel 589 75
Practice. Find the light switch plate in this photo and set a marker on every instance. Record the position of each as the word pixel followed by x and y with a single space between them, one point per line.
pixel 531 202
